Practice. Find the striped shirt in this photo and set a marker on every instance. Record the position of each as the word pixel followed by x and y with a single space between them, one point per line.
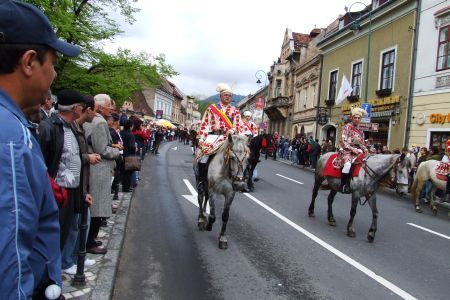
pixel 69 169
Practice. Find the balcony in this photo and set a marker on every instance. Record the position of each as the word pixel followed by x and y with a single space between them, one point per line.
pixel 277 108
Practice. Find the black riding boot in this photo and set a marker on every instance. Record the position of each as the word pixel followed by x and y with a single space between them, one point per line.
pixel 447 190
pixel 345 183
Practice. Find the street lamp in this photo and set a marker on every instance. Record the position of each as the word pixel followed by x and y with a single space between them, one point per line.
pixel 259 75
pixel 356 27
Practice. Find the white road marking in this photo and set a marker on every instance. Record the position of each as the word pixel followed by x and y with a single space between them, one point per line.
pixel 335 251
pixel 430 231
pixel 289 179
pixel 193 196
pixel 174 148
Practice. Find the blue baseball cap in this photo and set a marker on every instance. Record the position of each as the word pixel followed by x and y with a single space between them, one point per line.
pixel 22 23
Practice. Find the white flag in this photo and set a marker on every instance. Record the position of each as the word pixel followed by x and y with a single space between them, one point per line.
pixel 345 90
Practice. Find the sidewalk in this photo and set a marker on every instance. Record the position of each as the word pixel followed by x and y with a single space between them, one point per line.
pixel 100 277
pixel 387 191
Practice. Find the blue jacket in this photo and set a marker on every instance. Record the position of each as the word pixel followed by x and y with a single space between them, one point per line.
pixel 29 239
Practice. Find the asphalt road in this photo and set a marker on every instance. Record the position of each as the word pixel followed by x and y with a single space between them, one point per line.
pixel 275 250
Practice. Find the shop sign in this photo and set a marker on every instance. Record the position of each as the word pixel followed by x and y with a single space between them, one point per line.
pixel 374 127
pixel 159 114
pixel 439 118
pixel 259 103
pixel 364 126
pixel 383 104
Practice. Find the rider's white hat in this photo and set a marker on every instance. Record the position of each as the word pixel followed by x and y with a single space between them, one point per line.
pixel 247 113
pixel 223 87
pixel 358 111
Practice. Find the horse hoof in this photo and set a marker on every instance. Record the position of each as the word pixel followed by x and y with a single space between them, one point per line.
pixel 201 226
pixel 434 211
pixel 371 237
pixel 311 214
pixel 209 226
pixel 223 245
pixel 418 209
pixel 332 222
pixel 351 234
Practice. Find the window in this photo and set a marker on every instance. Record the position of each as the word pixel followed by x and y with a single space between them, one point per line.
pixel 278 88
pixel 333 84
pixel 387 70
pixel 356 78
pixel 443 56
pixel 305 98
pixel 313 93
pixel 297 101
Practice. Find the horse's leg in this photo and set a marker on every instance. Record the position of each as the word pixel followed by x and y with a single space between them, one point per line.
pixel 223 242
pixel 201 221
pixel 432 204
pixel 251 169
pixel 331 220
pixel 350 230
pixel 212 212
pixel 317 182
pixel 419 187
pixel 373 228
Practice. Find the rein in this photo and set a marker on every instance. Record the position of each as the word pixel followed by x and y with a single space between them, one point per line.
pixel 374 175
pixel 235 177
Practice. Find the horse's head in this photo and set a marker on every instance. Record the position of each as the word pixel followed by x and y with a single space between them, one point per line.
pixel 236 157
pixel 400 174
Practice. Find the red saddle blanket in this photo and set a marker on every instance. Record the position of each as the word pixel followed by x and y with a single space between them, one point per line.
pixel 442 170
pixel 331 171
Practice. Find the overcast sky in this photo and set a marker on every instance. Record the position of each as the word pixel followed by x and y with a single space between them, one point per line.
pixel 208 41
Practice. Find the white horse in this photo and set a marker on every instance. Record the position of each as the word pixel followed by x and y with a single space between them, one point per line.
pixel 379 168
pixel 225 177
pixel 425 172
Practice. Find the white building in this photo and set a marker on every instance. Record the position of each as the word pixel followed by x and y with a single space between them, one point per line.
pixel 430 122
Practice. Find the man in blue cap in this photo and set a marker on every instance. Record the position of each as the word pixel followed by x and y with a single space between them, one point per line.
pixel 29 244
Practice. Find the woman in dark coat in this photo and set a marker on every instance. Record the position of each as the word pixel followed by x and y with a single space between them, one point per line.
pixel 129 148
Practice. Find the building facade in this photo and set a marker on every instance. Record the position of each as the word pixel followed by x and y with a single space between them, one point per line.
pixel 430 118
pixel 380 46
pixel 306 88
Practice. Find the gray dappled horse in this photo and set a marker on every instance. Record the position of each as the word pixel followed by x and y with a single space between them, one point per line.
pixel 391 169
pixel 225 177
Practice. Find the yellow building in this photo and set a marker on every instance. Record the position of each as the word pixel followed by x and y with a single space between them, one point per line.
pixel 346 51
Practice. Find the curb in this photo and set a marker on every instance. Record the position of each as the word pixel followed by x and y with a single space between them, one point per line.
pixel 100 277
pixel 385 191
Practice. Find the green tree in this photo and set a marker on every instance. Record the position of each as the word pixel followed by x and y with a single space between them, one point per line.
pixel 88 24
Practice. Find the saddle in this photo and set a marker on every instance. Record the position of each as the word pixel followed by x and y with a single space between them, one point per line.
pixel 442 170
pixel 330 170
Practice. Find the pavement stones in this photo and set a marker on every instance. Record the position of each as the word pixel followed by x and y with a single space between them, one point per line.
pixel 100 277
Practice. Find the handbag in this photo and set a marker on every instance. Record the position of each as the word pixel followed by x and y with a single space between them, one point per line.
pixel 132 163
pixel 60 193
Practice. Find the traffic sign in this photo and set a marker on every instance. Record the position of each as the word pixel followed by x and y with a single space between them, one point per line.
pixel 368 108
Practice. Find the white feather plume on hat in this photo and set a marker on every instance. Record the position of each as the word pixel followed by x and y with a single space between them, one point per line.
pixel 223 87
pixel 358 111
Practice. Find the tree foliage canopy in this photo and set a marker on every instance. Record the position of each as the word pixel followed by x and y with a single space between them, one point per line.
pixel 88 24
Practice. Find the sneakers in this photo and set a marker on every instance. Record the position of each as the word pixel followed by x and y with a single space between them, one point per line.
pixel 71 271
pixel 89 262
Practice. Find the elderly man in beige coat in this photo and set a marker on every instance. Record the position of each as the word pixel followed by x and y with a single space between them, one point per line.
pixel 99 141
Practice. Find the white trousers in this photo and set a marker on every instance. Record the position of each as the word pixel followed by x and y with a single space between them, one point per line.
pixel 347 166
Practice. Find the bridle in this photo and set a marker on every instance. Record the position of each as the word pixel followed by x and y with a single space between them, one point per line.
pixel 392 183
pixel 235 177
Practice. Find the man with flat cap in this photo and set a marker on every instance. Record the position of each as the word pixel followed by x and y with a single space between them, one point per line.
pixel 28 211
